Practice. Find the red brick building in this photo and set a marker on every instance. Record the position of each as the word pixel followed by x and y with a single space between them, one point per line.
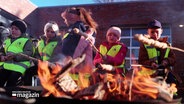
pixel 130 16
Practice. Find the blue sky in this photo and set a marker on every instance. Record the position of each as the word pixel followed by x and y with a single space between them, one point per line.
pixel 43 3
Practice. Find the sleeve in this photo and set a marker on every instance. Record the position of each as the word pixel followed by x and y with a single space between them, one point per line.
pixel 91 35
pixel 28 50
pixel 97 59
pixel 171 60
pixel 56 55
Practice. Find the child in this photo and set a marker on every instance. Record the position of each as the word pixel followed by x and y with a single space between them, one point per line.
pixel 157 57
pixel 112 52
pixel 14 65
pixel 75 45
pixel 48 49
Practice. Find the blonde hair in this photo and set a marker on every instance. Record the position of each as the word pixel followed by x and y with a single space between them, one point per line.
pixel 53 25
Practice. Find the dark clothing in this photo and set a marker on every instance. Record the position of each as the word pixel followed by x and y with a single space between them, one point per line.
pixel 10 78
pixel 27 78
pixel 71 41
pixel 144 59
pixel 171 59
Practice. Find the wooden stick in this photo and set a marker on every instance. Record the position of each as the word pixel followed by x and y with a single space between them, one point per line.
pixel 155 43
pixel 34 59
pixel 77 31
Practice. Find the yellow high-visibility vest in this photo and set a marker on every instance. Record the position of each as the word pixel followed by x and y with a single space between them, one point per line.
pixel 16 47
pixel 154 54
pixel 46 51
pixel 112 52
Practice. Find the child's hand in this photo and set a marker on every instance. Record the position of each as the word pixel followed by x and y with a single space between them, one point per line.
pixel 2 58
pixel 10 56
pixel 154 65
pixel 107 67
pixel 76 30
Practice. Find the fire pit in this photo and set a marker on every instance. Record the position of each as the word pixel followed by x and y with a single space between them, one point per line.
pixel 61 86
pixel 104 87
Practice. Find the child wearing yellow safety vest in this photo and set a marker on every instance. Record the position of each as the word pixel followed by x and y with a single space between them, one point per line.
pixel 112 52
pixel 48 49
pixel 13 65
pixel 156 57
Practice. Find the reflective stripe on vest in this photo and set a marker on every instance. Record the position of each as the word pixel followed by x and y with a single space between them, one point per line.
pixel 16 47
pixel 1 63
pixel 65 35
pixel 46 51
pixel 153 54
pixel 112 52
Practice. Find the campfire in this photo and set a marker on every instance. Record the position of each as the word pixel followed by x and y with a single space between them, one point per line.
pixel 85 85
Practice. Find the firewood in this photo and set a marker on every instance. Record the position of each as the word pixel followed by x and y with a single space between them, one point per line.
pixel 63 80
pixel 67 84
pixel 91 90
pixel 70 65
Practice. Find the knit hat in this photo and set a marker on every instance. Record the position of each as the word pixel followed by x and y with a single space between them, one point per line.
pixel 20 24
pixel 53 25
pixel 115 30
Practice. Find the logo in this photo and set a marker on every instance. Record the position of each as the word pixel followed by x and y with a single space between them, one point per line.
pixel 25 94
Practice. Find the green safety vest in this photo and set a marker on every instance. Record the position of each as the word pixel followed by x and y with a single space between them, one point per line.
pixel 46 51
pixel 112 52
pixel 154 54
pixel 16 47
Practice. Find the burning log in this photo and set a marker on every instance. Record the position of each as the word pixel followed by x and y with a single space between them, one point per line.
pixel 67 84
pixel 55 81
pixel 72 64
pixel 95 90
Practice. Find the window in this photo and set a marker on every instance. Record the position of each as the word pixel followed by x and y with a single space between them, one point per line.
pixel 133 45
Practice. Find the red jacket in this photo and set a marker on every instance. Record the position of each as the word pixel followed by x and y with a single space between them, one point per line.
pixel 114 61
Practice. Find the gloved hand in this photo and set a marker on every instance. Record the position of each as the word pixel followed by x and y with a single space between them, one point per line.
pixel 9 56
pixel 3 58
pixel 154 65
pixel 164 63
pixel 107 67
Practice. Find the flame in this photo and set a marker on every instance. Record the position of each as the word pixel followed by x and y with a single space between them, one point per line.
pixel 137 83
pixel 47 78
pixel 143 84
pixel 82 76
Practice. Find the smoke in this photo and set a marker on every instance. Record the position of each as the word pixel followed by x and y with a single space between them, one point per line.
pixel 61 59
